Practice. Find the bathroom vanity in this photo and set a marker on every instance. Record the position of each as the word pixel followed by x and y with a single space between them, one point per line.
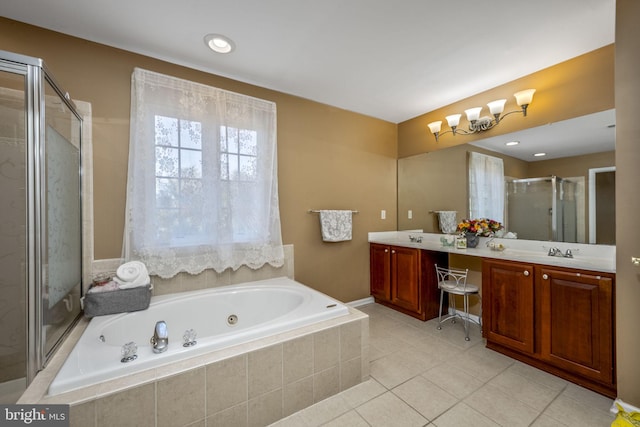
pixel 404 278
pixel 551 312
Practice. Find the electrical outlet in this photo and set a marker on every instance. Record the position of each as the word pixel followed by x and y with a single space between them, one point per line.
pixel 410 214
pixel 383 214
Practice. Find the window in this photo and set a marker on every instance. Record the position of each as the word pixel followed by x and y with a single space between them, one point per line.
pixel 202 181
pixel 178 174
pixel 486 187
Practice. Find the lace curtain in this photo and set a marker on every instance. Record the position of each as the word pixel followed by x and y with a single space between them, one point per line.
pixel 486 187
pixel 202 187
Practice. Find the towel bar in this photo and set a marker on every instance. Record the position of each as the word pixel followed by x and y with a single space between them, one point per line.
pixel 318 211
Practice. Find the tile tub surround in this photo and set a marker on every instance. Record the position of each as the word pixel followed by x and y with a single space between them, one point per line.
pixel 251 384
pixel 588 257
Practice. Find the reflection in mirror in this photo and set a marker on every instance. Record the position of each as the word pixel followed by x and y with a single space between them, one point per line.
pixel 575 149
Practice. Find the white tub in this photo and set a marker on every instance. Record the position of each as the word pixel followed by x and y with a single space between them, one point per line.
pixel 262 308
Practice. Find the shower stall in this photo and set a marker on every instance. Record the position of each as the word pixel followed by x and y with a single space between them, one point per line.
pixel 548 208
pixel 41 234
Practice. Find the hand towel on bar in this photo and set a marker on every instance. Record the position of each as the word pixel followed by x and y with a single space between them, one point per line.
pixel 131 275
pixel 336 225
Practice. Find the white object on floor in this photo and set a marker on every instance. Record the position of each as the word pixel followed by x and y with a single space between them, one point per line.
pixel 627 407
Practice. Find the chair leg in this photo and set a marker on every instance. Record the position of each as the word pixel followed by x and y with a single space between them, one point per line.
pixel 480 318
pixel 440 312
pixel 466 317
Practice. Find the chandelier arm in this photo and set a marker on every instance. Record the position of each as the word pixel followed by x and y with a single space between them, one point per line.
pixel 463 131
pixel 511 112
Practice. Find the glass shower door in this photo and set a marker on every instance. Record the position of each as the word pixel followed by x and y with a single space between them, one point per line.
pixel 531 207
pixel 13 228
pixel 40 220
pixel 62 223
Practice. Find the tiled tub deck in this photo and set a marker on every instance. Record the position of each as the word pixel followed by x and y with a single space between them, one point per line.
pixel 251 384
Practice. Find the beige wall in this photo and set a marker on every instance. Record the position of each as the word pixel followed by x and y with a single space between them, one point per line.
pixel 573 88
pixel 627 92
pixel 328 158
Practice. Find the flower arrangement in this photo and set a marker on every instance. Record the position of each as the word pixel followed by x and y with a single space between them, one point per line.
pixel 481 227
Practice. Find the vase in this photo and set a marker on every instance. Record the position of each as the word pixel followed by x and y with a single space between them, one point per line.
pixel 472 240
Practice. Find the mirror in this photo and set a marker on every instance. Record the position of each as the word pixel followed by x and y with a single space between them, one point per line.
pixel 575 179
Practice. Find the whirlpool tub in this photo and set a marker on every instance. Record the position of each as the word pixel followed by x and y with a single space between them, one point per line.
pixel 220 317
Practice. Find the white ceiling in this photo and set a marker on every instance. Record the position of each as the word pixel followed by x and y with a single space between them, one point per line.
pixel 593 133
pixel 390 59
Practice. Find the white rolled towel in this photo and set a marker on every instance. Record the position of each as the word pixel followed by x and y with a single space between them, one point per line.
pixel 131 275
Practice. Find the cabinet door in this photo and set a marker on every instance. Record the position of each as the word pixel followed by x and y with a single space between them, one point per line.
pixel 380 271
pixel 577 322
pixel 405 278
pixel 508 304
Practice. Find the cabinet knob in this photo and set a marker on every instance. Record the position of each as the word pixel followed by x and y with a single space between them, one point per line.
pixel 393 251
pixel 386 250
pixel 545 277
pixel 526 273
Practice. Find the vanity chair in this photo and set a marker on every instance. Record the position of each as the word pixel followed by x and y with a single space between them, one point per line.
pixel 454 282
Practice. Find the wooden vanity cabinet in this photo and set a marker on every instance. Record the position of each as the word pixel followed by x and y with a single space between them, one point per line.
pixel 404 279
pixel 558 319
pixel 508 304
pixel 576 321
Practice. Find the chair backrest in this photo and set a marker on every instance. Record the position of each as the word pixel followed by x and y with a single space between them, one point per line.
pixel 452 275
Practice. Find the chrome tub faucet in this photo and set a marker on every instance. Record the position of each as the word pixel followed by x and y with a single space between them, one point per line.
pixel 160 338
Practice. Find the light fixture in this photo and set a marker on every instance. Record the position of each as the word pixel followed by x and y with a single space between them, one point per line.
pixel 511 143
pixel 539 154
pixel 480 124
pixel 219 43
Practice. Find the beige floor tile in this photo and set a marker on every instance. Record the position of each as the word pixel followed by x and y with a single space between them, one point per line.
pixel 295 420
pixel 363 392
pixel 546 421
pixel 463 415
pixel 482 368
pixel 587 397
pixel 574 414
pixel 456 382
pixel 400 366
pixel 350 419
pixel 383 345
pixel 530 393
pixel 538 376
pixel 425 397
pixel 430 371
pixel 325 411
pixel 388 410
pixel 480 350
pixel 501 407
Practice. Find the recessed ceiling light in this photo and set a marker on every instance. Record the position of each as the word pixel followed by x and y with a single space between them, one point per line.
pixel 510 143
pixel 540 154
pixel 219 43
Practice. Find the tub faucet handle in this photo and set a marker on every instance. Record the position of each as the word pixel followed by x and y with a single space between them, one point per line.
pixel 160 338
pixel 129 352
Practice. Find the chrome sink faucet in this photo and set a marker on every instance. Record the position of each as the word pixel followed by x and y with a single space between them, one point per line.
pixel 558 252
pixel 160 338
pixel 554 252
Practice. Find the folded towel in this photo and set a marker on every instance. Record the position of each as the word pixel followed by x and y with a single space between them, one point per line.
pixel 108 287
pixel 447 221
pixel 132 275
pixel 336 225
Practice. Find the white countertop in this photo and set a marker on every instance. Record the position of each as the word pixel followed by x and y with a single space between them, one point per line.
pixel 600 258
